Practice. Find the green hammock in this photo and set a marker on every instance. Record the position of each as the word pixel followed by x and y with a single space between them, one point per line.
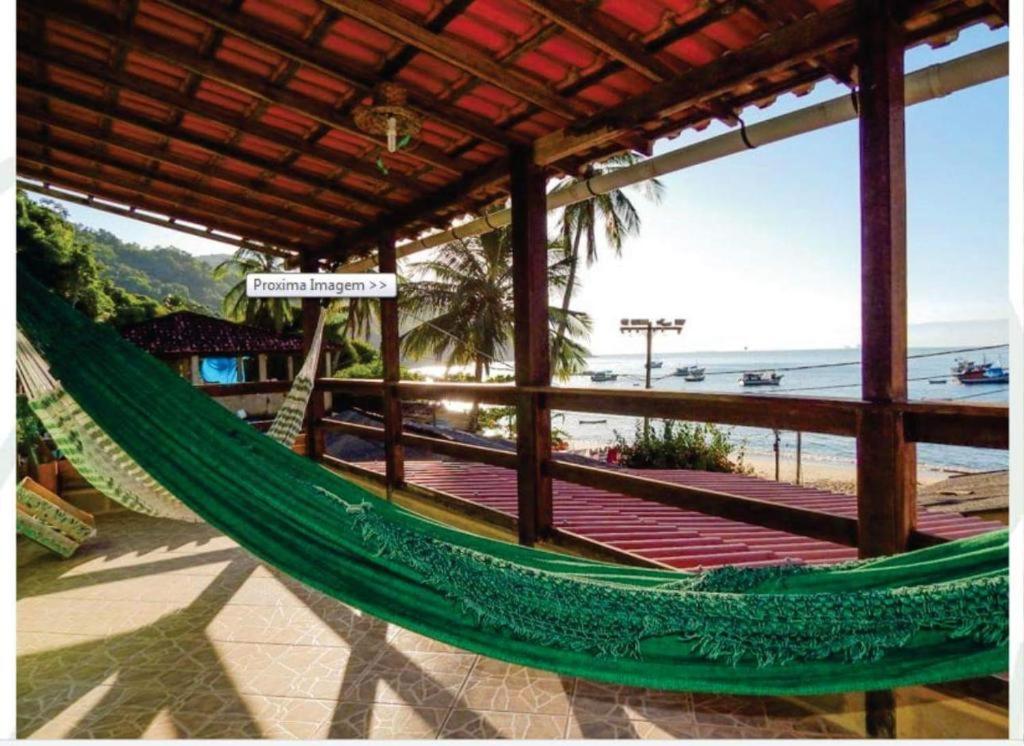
pixel 933 615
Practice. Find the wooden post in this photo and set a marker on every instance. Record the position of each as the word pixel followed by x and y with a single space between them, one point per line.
pixel 193 369
pixel 394 457
pixel 315 410
pixel 261 367
pixel 886 465
pixel 532 356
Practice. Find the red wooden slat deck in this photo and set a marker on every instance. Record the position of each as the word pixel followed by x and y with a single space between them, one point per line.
pixel 675 537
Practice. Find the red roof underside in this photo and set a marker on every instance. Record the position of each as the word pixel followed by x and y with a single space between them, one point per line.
pixel 238 116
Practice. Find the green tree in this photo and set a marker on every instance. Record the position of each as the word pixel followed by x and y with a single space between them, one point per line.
pixel 271 313
pixel 463 304
pixel 580 223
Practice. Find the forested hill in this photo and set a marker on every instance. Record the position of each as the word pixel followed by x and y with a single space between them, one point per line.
pixel 160 271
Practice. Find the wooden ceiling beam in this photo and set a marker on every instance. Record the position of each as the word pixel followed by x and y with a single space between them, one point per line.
pixel 421 209
pixel 207 145
pixel 361 78
pixel 153 45
pixel 142 201
pixel 211 234
pixel 812 36
pixel 55 121
pixel 184 103
pixel 141 183
pixel 95 153
pixel 382 16
pixel 579 20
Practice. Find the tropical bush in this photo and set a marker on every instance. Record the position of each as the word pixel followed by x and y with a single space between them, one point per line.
pixel 681 445
pixel 29 433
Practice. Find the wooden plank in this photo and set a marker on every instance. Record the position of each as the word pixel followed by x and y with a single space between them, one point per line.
pixel 316 408
pixel 886 462
pixel 209 145
pixel 362 78
pixel 812 523
pixel 977 425
pixel 218 390
pixel 832 416
pixel 279 207
pixel 90 202
pixel 356 386
pixel 394 458
pixel 369 432
pixel 812 36
pixel 533 366
pixel 580 21
pixel 464 451
pixel 67 179
pixel 485 393
pixel 384 17
pixel 184 56
pixel 124 81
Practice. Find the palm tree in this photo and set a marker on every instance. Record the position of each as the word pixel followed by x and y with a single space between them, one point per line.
pixel 465 310
pixel 612 209
pixel 275 313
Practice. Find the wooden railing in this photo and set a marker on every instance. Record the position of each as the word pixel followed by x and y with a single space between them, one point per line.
pixel 980 425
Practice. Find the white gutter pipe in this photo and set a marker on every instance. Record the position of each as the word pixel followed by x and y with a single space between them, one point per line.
pixel 929 83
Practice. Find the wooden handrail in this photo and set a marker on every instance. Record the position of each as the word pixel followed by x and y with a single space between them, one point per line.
pixel 812 523
pixel 978 425
pixel 492 456
pixel 352 428
pixel 217 390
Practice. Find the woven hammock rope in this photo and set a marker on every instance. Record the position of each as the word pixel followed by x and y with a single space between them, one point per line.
pixel 932 615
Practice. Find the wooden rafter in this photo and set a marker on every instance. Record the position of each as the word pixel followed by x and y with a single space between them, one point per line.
pixel 815 35
pixel 580 21
pixel 361 78
pixel 165 156
pixel 169 97
pixel 96 154
pixel 279 227
pixel 381 16
pixel 130 213
pixel 208 145
pixel 153 45
pixel 86 182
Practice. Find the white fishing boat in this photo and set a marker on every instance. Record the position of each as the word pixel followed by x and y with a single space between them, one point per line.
pixel 600 376
pixel 761 378
pixel 694 377
pixel 655 364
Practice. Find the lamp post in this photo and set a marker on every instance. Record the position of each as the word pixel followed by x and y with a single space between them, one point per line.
pixel 649 328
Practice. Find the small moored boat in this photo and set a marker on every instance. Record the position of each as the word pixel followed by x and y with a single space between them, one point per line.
pixel 694 377
pixel 600 376
pixel 761 378
pixel 690 370
pixel 655 364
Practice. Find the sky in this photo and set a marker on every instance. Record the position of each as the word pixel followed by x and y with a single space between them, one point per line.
pixel 760 250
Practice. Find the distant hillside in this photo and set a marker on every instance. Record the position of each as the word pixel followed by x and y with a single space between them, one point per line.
pixel 160 271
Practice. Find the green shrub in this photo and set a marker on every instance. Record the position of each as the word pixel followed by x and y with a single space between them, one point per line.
pixel 374 369
pixel 365 352
pixel 30 432
pixel 681 445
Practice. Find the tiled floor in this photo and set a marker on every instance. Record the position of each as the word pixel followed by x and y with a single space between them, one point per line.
pixel 163 629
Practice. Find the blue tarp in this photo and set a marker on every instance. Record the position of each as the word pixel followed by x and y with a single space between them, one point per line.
pixel 219 370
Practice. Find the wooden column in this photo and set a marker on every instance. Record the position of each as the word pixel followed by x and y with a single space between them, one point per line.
pixel 532 357
pixel 394 457
pixel 886 465
pixel 315 410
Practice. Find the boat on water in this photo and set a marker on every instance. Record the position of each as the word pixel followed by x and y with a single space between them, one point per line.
pixel 694 377
pixel 963 365
pixel 987 373
pixel 600 376
pixel 690 370
pixel 655 364
pixel 760 378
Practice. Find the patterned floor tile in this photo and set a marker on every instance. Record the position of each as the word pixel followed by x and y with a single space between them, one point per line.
pixel 354 720
pixel 518 691
pixel 480 724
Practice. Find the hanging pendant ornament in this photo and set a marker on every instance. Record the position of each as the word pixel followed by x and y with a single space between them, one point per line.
pixel 388 116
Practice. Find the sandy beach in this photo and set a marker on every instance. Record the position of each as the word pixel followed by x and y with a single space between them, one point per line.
pixel 836 476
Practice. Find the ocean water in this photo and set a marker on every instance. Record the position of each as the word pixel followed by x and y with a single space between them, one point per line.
pixel 723 372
